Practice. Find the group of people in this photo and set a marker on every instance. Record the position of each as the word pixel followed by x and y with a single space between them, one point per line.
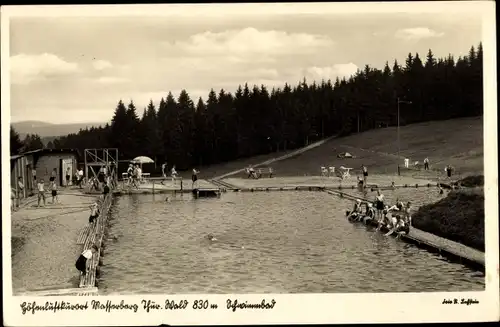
pixel 174 175
pixel 251 173
pixel 134 175
pixel 82 263
pixel 396 218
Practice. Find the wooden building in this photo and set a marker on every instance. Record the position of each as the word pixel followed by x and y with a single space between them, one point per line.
pixel 43 162
pixel 20 166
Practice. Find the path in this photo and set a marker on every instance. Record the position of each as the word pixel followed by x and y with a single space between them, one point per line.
pixel 44 247
pixel 286 156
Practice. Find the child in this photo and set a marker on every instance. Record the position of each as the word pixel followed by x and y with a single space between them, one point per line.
pixel 41 191
pixel 55 198
pixel 365 174
pixel 68 176
pixel 12 199
pixel 173 174
pixel 93 212
pixel 81 262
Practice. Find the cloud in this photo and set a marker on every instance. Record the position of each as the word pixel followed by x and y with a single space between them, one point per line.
pixel 249 42
pixel 101 64
pixel 417 33
pixel 27 68
pixel 111 80
pixel 331 72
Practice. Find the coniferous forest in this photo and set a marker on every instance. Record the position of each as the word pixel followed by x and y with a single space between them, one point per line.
pixel 257 120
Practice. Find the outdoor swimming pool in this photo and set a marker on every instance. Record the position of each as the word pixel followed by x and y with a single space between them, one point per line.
pixel 279 242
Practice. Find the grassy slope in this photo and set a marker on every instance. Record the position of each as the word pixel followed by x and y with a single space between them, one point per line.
pixel 458 142
pixel 458 217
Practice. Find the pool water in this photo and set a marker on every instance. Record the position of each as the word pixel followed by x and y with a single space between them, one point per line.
pixel 280 242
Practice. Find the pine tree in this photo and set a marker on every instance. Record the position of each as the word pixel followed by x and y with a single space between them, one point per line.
pixel 32 142
pixel 255 120
pixel 16 144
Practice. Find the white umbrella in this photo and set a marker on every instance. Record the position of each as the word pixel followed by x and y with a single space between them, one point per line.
pixel 142 160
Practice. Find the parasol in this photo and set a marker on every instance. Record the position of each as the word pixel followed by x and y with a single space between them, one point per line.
pixel 142 160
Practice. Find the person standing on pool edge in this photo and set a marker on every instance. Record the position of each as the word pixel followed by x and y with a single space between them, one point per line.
pixel 41 191
pixel 194 177
pixel 365 174
pixel 448 170
pixel 379 204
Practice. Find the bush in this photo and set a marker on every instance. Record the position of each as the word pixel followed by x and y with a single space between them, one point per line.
pixel 458 217
pixel 472 181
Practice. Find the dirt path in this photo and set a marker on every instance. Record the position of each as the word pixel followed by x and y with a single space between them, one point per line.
pixel 44 243
pixel 283 157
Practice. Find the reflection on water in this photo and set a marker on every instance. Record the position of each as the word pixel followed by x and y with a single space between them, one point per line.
pixel 282 242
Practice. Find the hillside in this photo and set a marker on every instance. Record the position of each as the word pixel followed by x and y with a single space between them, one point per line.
pixel 45 129
pixel 458 142
pixel 458 217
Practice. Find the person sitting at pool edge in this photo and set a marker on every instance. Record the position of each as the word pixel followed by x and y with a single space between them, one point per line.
pixel 370 213
pixel 384 221
pixel 357 208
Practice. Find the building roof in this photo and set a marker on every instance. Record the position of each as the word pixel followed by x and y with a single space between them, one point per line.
pixel 51 151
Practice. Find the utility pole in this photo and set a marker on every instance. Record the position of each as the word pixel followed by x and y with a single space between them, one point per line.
pixel 358 121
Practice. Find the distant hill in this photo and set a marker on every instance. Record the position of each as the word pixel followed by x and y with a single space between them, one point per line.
pixel 46 130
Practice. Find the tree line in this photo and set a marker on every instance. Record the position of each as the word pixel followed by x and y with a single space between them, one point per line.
pixel 255 120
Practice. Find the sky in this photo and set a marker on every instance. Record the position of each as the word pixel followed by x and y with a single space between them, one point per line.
pixel 75 69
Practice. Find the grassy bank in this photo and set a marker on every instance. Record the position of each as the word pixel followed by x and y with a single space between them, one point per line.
pixel 458 142
pixel 458 217
pixel 471 181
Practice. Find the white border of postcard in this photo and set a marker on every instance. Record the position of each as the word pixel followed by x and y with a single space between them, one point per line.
pixel 306 308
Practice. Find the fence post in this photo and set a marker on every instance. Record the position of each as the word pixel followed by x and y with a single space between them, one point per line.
pixel 181 185
pixel 153 186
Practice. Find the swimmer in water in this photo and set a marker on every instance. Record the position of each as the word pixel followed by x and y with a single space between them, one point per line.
pixel 211 237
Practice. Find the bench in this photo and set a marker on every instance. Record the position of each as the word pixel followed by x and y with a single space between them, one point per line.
pixel 345 172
